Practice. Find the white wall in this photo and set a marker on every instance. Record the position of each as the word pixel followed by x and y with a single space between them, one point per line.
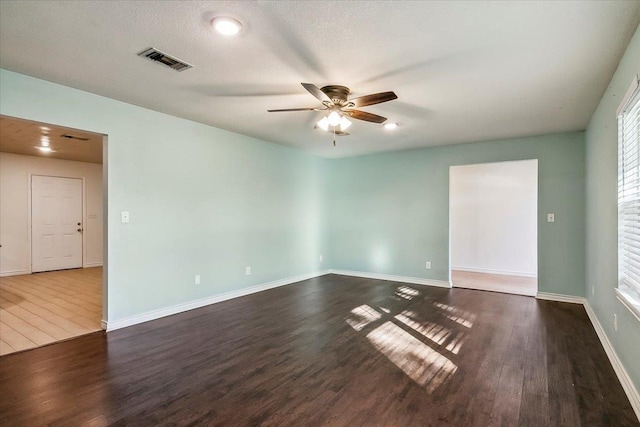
pixel 493 217
pixel 15 171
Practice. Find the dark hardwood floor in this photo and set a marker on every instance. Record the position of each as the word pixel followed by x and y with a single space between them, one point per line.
pixel 333 350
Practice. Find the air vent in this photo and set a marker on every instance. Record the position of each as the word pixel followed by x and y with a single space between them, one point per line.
pixel 79 138
pixel 155 55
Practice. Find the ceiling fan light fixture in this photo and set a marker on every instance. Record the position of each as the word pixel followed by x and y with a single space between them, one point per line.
pixel 334 118
pixel 344 123
pixel 323 124
pixel 226 25
pixel 390 126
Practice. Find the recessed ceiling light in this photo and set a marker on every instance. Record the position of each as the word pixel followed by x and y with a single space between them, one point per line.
pixel 390 126
pixel 45 149
pixel 226 26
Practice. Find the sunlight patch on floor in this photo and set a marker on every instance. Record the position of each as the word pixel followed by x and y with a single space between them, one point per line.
pixel 421 363
pixel 362 316
pixel 406 292
pixel 459 316
pixel 435 332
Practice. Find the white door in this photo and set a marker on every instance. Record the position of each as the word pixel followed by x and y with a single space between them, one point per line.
pixel 56 223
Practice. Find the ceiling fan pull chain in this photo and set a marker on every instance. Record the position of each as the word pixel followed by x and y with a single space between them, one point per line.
pixel 334 136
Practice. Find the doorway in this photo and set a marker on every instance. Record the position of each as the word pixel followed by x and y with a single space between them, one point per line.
pixel 493 226
pixel 53 284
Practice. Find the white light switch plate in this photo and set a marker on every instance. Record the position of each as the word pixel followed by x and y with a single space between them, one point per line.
pixel 125 217
pixel 551 217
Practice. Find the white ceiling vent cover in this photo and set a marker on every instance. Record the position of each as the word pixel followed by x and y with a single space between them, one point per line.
pixel 155 55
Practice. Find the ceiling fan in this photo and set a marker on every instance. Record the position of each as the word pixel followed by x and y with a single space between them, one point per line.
pixel 335 101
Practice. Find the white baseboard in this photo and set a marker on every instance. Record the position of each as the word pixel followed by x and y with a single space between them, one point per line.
pixel 112 325
pixel 392 278
pixel 623 376
pixel 560 297
pixel 498 272
pixel 103 324
pixel 92 264
pixel 14 273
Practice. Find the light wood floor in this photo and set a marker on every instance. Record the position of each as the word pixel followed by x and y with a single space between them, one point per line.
pixel 495 282
pixel 38 309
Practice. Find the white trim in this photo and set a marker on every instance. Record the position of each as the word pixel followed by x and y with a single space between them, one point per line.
pixel 92 264
pixel 498 272
pixel 14 273
pixel 103 324
pixel 623 376
pixel 392 278
pixel 560 297
pixel 112 325
pixel 627 96
pixel 628 302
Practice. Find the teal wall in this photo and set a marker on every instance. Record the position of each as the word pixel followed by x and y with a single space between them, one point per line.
pixel 602 219
pixel 389 212
pixel 202 200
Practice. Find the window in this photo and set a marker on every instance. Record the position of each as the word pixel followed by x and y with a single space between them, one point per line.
pixel 629 199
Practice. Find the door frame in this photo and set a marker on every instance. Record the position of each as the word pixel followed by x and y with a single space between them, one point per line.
pixel 30 176
pixel 450 228
pixel 105 210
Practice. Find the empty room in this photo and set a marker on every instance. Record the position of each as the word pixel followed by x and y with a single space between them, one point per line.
pixel 306 213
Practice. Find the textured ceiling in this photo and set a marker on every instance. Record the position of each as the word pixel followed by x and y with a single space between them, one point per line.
pixel 19 136
pixel 463 71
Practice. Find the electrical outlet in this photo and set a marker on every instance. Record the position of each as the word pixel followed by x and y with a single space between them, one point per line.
pixel 197 281
pixel 247 271
pixel 615 322
pixel 320 258
pixel 427 265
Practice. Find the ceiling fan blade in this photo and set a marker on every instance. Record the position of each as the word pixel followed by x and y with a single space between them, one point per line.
pixel 293 109
pixel 315 91
pixel 367 117
pixel 372 99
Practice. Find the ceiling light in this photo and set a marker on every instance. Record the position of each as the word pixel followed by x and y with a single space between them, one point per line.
pixel 390 126
pixel 323 124
pixel 45 149
pixel 344 123
pixel 226 26
pixel 334 118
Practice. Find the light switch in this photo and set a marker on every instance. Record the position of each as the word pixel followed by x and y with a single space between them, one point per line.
pixel 125 217
pixel 551 217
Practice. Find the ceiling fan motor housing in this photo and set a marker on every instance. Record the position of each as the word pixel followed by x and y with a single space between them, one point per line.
pixel 338 94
